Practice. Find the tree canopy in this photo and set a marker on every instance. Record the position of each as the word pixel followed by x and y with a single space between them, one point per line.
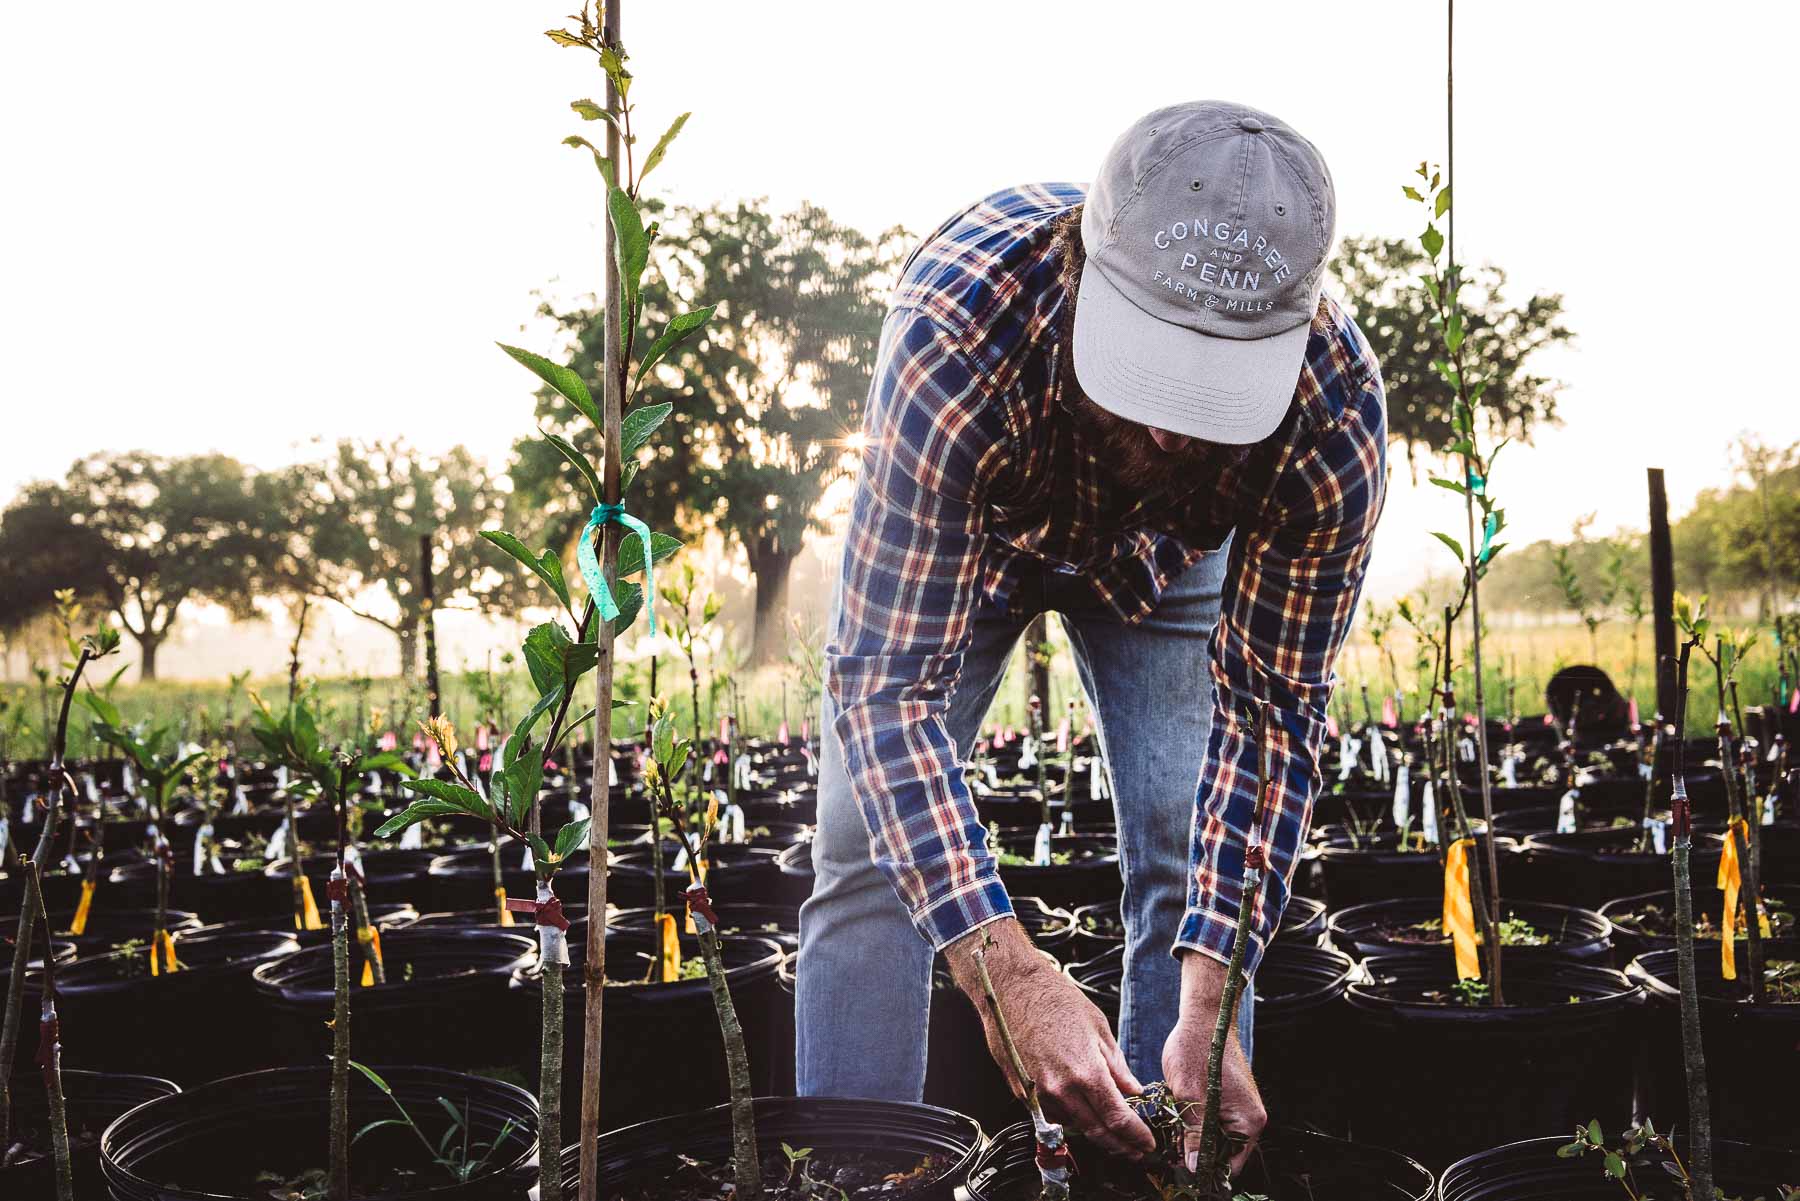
pixel 1379 282
pixel 767 396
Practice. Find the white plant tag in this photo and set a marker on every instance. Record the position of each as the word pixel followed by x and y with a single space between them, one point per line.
pixel 1402 797
pixel 1099 786
pixel 1428 817
pixel 1768 813
pixel 578 811
pixel 681 860
pixel 5 835
pixel 1509 771
pixel 281 777
pixel 740 772
pixel 206 858
pixel 1346 756
pixel 1659 834
pixel 1040 849
pixel 529 863
pixel 1027 753
pixel 413 837
pixel 612 773
pixel 732 825
pixel 277 848
pixel 240 804
pixel 1565 812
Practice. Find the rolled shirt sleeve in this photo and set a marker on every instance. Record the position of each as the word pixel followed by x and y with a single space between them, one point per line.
pixel 1291 595
pixel 910 573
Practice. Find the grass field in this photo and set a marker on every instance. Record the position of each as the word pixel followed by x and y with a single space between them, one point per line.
pixel 1522 654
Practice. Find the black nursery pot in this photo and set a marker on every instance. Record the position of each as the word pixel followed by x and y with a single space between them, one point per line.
pixel 392 915
pixel 1557 1055
pixel 779 924
pixel 1591 867
pixel 210 1143
pixel 1752 1050
pixel 1376 870
pixel 649 1151
pixel 1100 928
pixel 735 872
pixel 92 1100
pixel 1301 1026
pixel 388 876
pixel 661 1051
pixel 1576 935
pixel 445 1000
pixel 1288 1165
pixel 1632 937
pixel 190 1025
pixel 108 926
pixel 1090 876
pixel 1530 1171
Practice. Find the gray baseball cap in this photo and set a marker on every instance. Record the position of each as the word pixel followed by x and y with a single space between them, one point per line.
pixel 1206 236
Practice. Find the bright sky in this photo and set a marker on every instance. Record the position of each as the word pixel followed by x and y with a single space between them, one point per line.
pixel 243 226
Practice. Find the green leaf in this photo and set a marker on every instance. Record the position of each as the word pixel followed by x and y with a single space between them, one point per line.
pixel 565 381
pixel 377 1081
pixel 547 569
pixel 1443 203
pixel 638 425
pixel 523 778
pixel 570 838
pixel 588 110
pixel 417 812
pixel 545 703
pixel 631 554
pixel 581 464
pixel 1450 542
pixel 1615 1167
pixel 662 146
pixel 1571 1150
pixel 454 794
pixel 631 250
pixel 619 704
pixel 601 162
pixel 1432 241
pixel 376 1125
pixel 630 598
pixel 1453 331
pixel 676 332
pixel 545 648
pixel 540 850
pixel 1411 193
pixel 1594 1134
pixel 1452 485
pixel 102 708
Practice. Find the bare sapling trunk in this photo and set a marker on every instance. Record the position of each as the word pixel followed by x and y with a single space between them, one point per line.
pixel 50 1044
pixel 550 1054
pixel 40 857
pixel 339 892
pixel 1054 1163
pixel 1693 1053
pixel 1213 1172
pixel 1484 887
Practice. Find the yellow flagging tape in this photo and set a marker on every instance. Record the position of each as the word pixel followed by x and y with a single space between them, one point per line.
pixel 671 948
pixel 165 942
pixel 506 917
pixel 306 910
pixel 1731 880
pixel 1459 909
pixel 370 938
pixel 82 908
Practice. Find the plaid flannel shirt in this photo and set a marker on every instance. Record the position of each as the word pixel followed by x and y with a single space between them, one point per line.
pixel 973 473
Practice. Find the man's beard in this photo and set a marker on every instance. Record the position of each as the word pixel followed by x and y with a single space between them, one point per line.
pixel 1131 456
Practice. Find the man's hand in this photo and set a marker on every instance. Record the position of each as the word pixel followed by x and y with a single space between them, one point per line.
pixel 1063 1041
pixel 1241 1111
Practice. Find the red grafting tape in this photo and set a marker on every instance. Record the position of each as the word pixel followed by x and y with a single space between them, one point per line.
pixel 337 889
pixel 701 904
pixel 1256 857
pixel 549 913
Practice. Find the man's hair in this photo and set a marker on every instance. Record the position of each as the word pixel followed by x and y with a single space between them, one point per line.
pixel 1065 243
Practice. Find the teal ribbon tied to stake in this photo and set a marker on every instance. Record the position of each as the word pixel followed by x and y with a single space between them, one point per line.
pixel 589 562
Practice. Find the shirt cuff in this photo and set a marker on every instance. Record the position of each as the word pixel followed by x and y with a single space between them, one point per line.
pixel 1211 933
pixel 964 908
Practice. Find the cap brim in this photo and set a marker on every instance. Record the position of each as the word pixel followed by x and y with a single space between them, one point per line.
pixel 1227 390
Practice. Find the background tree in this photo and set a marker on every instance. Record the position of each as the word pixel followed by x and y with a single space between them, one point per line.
pixel 1379 283
pixel 1763 465
pixel 365 509
pixel 767 398
pixel 145 534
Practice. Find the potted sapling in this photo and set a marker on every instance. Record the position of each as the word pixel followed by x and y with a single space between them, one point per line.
pixel 82 651
pixel 1194 1151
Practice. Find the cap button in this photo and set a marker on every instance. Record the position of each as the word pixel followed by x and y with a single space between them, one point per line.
pixel 1250 125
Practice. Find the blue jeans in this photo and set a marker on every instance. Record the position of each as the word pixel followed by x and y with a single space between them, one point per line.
pixel 863 992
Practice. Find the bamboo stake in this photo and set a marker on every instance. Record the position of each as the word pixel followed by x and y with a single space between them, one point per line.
pixel 613 399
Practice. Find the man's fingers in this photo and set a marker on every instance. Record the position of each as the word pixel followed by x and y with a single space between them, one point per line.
pixel 1115 1063
pixel 1093 1105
